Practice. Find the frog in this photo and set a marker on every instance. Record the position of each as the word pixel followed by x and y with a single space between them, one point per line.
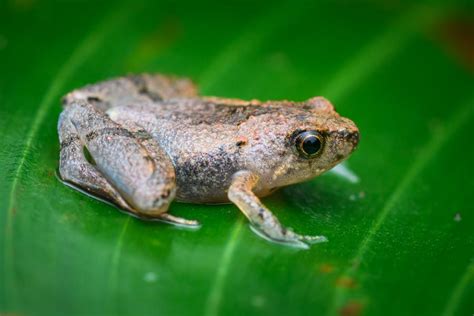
pixel 142 141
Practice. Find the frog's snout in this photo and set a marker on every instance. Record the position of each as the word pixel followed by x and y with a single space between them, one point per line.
pixel 349 137
pixel 353 138
pixel 349 134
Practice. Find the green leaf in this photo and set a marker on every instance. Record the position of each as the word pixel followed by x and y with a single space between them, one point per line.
pixel 398 214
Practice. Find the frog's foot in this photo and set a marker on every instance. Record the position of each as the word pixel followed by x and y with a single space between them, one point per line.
pixel 314 239
pixel 188 223
pixel 288 237
pixel 263 222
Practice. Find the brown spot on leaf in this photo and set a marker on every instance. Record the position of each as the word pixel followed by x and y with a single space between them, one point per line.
pixel 457 36
pixel 158 41
pixel 10 314
pixel 23 5
pixel 326 268
pixel 352 308
pixel 346 282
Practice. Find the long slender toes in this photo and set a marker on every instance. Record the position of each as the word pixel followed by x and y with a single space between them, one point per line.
pixel 314 239
pixel 293 241
pixel 188 223
pixel 290 235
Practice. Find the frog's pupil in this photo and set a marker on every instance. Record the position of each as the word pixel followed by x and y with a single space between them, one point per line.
pixel 311 145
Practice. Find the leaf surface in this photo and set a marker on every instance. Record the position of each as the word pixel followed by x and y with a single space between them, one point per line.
pixel 400 225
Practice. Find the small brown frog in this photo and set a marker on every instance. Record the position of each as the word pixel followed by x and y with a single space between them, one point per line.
pixel 142 141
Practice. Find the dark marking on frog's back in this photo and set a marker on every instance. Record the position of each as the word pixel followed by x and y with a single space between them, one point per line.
pixel 98 102
pixel 242 141
pixel 211 113
pixel 109 131
pixel 142 88
pixel 68 141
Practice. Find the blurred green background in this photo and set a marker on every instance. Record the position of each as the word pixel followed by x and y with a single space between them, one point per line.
pixel 400 227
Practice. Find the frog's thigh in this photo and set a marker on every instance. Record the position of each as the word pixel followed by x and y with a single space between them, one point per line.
pixel 261 219
pixel 147 186
pixel 160 158
pixel 75 169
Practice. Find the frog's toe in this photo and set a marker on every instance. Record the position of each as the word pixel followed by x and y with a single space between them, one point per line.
pixel 291 238
pixel 179 221
pixel 292 241
pixel 314 239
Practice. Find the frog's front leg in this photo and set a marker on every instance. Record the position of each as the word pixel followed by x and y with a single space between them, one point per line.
pixel 261 219
pixel 124 171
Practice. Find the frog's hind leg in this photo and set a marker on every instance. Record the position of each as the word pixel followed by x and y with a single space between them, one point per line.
pixel 78 172
pixel 125 170
pixel 157 155
pixel 133 89
pixel 262 220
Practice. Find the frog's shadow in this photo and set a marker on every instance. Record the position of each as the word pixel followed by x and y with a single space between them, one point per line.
pixel 318 199
pixel 313 198
pixel 156 245
pixel 111 203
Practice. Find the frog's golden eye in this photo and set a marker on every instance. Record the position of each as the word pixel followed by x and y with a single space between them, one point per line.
pixel 309 143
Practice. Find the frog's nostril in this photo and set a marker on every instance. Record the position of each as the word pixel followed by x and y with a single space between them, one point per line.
pixel 354 138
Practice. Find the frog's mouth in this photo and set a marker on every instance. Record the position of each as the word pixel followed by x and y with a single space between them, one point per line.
pixel 292 170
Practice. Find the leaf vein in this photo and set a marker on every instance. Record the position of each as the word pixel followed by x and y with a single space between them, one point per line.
pixel 114 262
pixel 79 55
pixel 458 291
pixel 215 295
pixel 248 41
pixel 376 52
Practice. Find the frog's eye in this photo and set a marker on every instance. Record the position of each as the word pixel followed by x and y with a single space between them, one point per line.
pixel 309 143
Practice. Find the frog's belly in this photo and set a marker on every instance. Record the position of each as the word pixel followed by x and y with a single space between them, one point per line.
pixel 205 188
pixel 218 196
pixel 207 181
pixel 221 199
pixel 204 179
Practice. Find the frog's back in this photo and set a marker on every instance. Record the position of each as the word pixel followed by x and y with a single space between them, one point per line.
pixel 205 111
pixel 204 137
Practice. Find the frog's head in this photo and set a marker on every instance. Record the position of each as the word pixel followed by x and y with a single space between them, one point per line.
pixel 309 139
